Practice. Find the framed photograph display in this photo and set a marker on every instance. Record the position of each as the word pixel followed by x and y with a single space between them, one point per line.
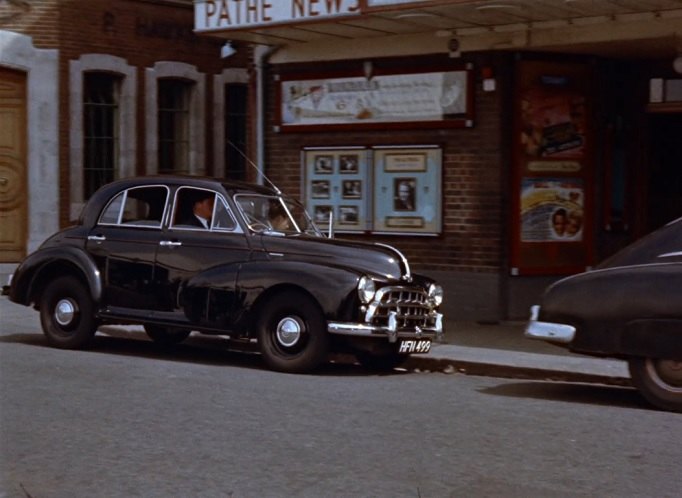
pixel 335 181
pixel 391 190
pixel 407 190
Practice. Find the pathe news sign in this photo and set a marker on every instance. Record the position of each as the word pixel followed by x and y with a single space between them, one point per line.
pixel 210 15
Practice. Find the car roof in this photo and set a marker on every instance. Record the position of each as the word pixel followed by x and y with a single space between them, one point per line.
pixel 106 192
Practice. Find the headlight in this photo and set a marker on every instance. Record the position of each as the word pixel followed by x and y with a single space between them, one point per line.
pixel 366 289
pixel 436 294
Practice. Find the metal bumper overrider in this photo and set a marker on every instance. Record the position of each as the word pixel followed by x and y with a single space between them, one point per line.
pixel 391 330
pixel 547 331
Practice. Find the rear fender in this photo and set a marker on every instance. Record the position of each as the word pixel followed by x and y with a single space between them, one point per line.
pixel 44 264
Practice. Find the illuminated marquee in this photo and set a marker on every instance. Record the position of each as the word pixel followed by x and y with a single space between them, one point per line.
pixel 212 15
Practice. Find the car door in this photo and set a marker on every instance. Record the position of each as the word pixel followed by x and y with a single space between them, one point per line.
pixel 196 267
pixel 123 244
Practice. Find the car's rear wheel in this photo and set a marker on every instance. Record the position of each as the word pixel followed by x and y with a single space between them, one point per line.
pixel 659 381
pixel 166 336
pixel 292 333
pixel 67 313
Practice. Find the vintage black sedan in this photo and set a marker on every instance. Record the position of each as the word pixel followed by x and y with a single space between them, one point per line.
pixel 183 254
pixel 629 307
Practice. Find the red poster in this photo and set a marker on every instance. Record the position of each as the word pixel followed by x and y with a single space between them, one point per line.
pixel 552 169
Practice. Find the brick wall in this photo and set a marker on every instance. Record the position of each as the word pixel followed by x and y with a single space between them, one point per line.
pixel 473 177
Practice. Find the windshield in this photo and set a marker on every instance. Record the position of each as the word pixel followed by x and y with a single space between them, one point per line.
pixel 276 215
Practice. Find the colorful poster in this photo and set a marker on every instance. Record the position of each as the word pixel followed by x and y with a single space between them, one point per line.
pixel 553 120
pixel 552 209
pixel 394 98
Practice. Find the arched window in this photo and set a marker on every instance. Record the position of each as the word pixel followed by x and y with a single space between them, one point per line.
pixel 175 96
pixel 103 129
pixel 101 97
pixel 174 125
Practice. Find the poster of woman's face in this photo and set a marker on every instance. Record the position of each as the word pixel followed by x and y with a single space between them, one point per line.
pixel 404 194
pixel 324 165
pixel 348 163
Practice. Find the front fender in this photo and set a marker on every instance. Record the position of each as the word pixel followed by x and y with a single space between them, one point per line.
pixel 616 310
pixel 332 287
pixel 45 261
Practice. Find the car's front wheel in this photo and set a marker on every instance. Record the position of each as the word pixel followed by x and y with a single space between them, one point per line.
pixel 659 381
pixel 67 313
pixel 292 333
pixel 166 336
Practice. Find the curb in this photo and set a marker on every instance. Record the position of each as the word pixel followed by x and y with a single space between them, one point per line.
pixel 466 367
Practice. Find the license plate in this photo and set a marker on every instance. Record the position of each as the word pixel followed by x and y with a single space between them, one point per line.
pixel 411 346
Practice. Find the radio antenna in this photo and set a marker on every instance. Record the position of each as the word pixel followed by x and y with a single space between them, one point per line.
pixel 255 166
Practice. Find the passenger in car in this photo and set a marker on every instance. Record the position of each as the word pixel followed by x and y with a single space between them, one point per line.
pixel 202 210
pixel 278 217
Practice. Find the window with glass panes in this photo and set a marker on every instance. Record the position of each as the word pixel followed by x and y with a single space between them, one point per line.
pixel 173 112
pixel 235 131
pixel 100 130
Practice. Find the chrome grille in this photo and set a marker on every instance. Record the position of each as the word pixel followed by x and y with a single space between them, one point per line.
pixel 409 304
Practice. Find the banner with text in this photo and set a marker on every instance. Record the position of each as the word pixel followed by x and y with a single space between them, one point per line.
pixel 395 98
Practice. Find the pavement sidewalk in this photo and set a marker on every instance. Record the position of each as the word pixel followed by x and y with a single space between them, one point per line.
pixel 501 350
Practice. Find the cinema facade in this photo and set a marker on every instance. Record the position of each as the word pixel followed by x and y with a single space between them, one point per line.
pixel 499 145
pixel 532 139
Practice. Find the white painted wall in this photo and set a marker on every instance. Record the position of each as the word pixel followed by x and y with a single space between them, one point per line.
pixel 17 52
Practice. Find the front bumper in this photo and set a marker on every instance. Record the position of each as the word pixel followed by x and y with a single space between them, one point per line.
pixel 547 331
pixel 6 288
pixel 390 331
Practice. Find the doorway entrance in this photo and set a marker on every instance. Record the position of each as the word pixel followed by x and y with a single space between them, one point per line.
pixel 13 160
pixel 664 196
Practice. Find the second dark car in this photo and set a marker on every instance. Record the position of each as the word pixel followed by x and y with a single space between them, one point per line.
pixel 629 307
pixel 179 254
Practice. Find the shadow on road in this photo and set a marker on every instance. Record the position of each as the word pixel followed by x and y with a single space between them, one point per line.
pixel 593 394
pixel 197 349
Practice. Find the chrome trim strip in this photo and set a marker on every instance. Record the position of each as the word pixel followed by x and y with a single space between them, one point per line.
pixel 366 330
pixel 408 275
pixel 670 254
pixel 547 331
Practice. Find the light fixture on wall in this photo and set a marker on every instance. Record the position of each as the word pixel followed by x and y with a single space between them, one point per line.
pixel 227 50
pixel 368 69
pixel 454 47
pixel 488 77
pixel 677 61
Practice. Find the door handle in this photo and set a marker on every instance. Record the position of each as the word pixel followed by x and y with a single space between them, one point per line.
pixel 169 243
pixel 3 181
pixel 97 238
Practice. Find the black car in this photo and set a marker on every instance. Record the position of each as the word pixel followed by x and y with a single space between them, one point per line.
pixel 183 254
pixel 629 307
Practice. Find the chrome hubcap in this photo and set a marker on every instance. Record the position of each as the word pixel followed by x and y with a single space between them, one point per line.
pixel 666 373
pixel 289 331
pixel 65 312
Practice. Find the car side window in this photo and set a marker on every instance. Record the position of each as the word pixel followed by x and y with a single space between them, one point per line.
pixel 201 209
pixel 139 206
pixel 222 217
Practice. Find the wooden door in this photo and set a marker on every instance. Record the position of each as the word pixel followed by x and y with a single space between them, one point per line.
pixel 13 161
